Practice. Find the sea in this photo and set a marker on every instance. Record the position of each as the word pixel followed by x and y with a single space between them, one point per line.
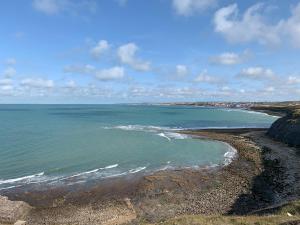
pixel 69 144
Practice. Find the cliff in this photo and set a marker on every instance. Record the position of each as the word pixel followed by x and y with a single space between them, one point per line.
pixel 287 128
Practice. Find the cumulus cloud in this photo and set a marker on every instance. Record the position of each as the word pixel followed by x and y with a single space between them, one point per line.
pixel 51 7
pixel 252 26
pixel 204 77
pixel 269 89
pixel 10 61
pixel 113 73
pixel 181 70
pixel 6 88
pixel 37 83
pixel 47 6
pixel 189 7
pixel 4 82
pixel 127 55
pixel 71 84
pixel 110 74
pixel 9 72
pixel 293 80
pixel 257 73
pixel 101 47
pixel 80 69
pixel 291 26
pixel 230 58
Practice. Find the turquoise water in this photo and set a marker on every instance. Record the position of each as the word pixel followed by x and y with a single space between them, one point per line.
pixel 61 144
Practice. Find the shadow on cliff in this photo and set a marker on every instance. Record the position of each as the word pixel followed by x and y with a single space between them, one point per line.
pixel 266 188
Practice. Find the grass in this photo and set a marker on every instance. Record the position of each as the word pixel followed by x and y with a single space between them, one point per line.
pixel 278 216
pixel 231 220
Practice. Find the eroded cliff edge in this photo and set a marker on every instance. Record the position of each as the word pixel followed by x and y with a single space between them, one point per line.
pixel 287 128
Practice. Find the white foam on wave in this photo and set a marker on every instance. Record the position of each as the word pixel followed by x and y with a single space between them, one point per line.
pixel 230 155
pixel 164 136
pixel 111 166
pixel 149 128
pixel 10 187
pixel 165 132
pixel 249 111
pixel 173 135
pixel 25 178
pixel 136 170
pixel 90 172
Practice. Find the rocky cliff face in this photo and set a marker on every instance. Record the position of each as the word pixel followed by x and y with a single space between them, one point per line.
pixel 11 211
pixel 287 129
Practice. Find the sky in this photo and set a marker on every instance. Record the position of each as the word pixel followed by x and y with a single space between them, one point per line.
pixel 135 51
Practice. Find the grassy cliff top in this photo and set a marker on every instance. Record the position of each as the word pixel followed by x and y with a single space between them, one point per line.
pixel 286 215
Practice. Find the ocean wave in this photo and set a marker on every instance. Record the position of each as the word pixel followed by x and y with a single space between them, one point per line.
pixel 230 155
pixel 136 170
pixel 149 128
pixel 25 178
pixel 165 132
pixel 164 136
pixel 111 166
pixel 90 171
pixel 172 135
pixel 249 111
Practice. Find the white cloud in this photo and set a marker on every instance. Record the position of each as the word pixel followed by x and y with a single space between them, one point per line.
pixel 293 80
pixel 181 70
pixel 6 88
pixel 122 2
pixel 80 69
pixel 71 84
pixel 291 26
pixel 47 6
pixel 37 83
pixel 10 61
pixel 257 73
pixel 189 7
pixel 51 7
pixel 113 73
pixel 101 47
pixel 127 55
pixel 225 88
pixel 5 82
pixel 230 58
pixel 9 72
pixel 252 26
pixel 203 77
pixel 269 89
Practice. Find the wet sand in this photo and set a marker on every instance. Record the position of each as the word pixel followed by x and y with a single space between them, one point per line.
pixel 248 184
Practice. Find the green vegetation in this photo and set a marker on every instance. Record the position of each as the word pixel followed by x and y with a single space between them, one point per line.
pixel 286 215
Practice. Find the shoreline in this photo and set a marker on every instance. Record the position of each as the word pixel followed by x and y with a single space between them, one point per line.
pixel 220 190
pixel 261 176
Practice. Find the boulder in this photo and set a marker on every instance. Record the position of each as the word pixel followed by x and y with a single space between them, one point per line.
pixel 12 211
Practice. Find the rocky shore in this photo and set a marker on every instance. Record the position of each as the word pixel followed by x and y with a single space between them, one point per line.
pixel 264 175
pixel 255 180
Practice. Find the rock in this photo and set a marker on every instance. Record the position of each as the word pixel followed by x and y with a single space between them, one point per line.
pixel 129 204
pixel 20 222
pixel 11 211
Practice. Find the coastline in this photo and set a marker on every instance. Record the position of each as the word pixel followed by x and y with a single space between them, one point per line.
pixel 168 193
pixel 255 180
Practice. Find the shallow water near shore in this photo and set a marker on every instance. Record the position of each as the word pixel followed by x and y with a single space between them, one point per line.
pixel 68 144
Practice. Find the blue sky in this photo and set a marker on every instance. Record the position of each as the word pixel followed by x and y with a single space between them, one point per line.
pixel 110 51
